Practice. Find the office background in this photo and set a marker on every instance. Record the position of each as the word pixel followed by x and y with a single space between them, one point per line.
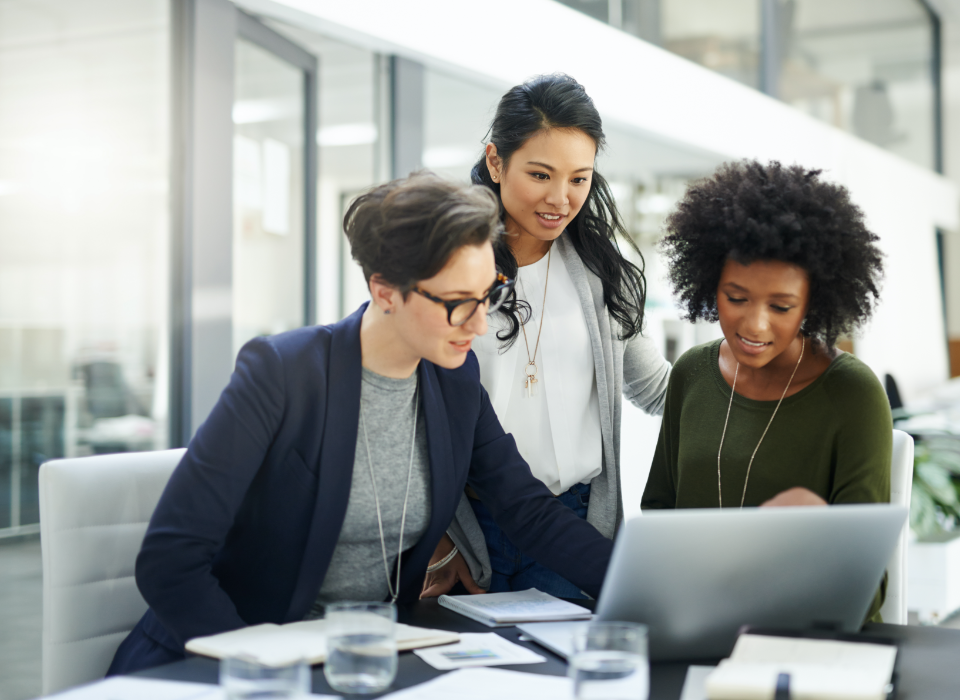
pixel 173 174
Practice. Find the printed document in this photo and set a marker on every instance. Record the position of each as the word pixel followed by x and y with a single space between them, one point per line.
pixel 489 649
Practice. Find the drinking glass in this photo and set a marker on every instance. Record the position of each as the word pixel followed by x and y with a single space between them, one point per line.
pixel 361 647
pixel 244 678
pixel 610 662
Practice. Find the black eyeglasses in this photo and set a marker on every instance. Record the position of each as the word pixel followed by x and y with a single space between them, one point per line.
pixel 459 311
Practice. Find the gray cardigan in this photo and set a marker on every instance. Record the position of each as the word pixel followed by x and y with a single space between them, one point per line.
pixel 634 367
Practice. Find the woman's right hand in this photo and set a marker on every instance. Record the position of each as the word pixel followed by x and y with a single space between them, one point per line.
pixel 438 582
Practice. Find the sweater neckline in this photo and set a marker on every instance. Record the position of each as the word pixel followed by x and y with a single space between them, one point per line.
pixel 742 400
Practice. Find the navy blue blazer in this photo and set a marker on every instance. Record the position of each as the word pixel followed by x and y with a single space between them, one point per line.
pixel 245 530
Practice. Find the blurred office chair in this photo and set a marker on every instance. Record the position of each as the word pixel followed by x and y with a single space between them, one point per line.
pixel 93 515
pixel 894 608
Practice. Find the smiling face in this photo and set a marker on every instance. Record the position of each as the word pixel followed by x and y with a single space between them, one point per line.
pixel 546 181
pixel 422 324
pixel 761 307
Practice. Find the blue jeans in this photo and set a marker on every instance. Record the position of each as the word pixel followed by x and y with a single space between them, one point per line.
pixel 515 571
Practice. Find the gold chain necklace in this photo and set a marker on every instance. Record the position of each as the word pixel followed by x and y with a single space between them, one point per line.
pixel 727 420
pixel 530 383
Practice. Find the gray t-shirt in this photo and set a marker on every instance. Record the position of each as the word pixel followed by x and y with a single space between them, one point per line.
pixel 356 570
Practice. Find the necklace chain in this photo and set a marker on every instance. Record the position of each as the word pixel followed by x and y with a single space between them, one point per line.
pixel 769 423
pixel 531 380
pixel 394 591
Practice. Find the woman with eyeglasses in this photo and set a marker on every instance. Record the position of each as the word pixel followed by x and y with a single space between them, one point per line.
pixel 566 347
pixel 337 455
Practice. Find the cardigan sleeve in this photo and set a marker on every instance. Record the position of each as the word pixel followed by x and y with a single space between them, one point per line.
pixel 646 374
pixel 468 537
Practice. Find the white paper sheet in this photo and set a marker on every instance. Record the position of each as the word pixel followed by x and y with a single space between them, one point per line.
pixel 122 688
pixel 474 650
pixel 125 688
pixel 487 683
pixel 695 685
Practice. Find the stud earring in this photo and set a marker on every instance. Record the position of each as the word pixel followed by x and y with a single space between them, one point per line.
pixel 387 312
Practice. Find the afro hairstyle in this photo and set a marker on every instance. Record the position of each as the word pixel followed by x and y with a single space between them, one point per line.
pixel 747 211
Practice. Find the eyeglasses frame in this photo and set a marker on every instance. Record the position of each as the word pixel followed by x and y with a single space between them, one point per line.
pixel 451 305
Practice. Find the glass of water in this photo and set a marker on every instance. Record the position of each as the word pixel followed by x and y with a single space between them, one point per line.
pixel 361 647
pixel 245 678
pixel 610 662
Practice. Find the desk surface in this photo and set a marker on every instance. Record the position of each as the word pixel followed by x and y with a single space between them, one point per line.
pixel 929 659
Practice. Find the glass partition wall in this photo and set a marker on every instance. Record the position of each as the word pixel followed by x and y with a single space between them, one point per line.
pixel 352 137
pixel 84 123
pixel 869 67
pixel 865 66
pixel 268 194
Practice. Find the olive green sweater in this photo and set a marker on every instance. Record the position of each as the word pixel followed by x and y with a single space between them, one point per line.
pixel 833 437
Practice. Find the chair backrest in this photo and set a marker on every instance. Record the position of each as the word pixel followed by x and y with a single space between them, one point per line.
pixel 894 608
pixel 93 515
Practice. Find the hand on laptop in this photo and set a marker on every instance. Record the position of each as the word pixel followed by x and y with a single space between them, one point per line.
pixel 438 582
pixel 797 496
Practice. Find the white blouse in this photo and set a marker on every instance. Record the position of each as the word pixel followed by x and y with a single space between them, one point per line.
pixel 558 429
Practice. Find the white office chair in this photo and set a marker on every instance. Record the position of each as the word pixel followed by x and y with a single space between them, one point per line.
pixel 93 515
pixel 894 608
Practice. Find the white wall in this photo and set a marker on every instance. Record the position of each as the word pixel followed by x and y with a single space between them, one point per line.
pixel 950 15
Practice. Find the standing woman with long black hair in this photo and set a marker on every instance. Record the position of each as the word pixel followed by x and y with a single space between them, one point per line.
pixel 564 349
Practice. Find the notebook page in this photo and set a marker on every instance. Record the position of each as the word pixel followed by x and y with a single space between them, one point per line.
pixel 276 645
pixel 820 669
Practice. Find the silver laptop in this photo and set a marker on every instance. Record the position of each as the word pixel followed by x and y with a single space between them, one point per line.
pixel 696 576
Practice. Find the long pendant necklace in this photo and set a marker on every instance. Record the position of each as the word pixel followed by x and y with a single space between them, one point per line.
pixel 727 420
pixel 530 371
pixel 394 591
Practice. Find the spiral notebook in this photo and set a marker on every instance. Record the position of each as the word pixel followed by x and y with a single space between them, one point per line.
pixel 507 609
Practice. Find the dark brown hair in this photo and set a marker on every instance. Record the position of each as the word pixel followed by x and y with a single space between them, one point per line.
pixel 406 230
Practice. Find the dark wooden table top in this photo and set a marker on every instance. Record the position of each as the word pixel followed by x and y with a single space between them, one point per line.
pixel 929 659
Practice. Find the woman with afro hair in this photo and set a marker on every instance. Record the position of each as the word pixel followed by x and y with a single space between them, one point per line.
pixel 773 413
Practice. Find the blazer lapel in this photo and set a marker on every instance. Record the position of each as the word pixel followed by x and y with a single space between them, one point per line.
pixel 443 482
pixel 339 441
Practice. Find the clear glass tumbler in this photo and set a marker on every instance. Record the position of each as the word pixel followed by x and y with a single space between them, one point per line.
pixel 361 647
pixel 244 678
pixel 610 662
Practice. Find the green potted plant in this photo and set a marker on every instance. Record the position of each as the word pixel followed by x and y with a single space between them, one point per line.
pixel 934 557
